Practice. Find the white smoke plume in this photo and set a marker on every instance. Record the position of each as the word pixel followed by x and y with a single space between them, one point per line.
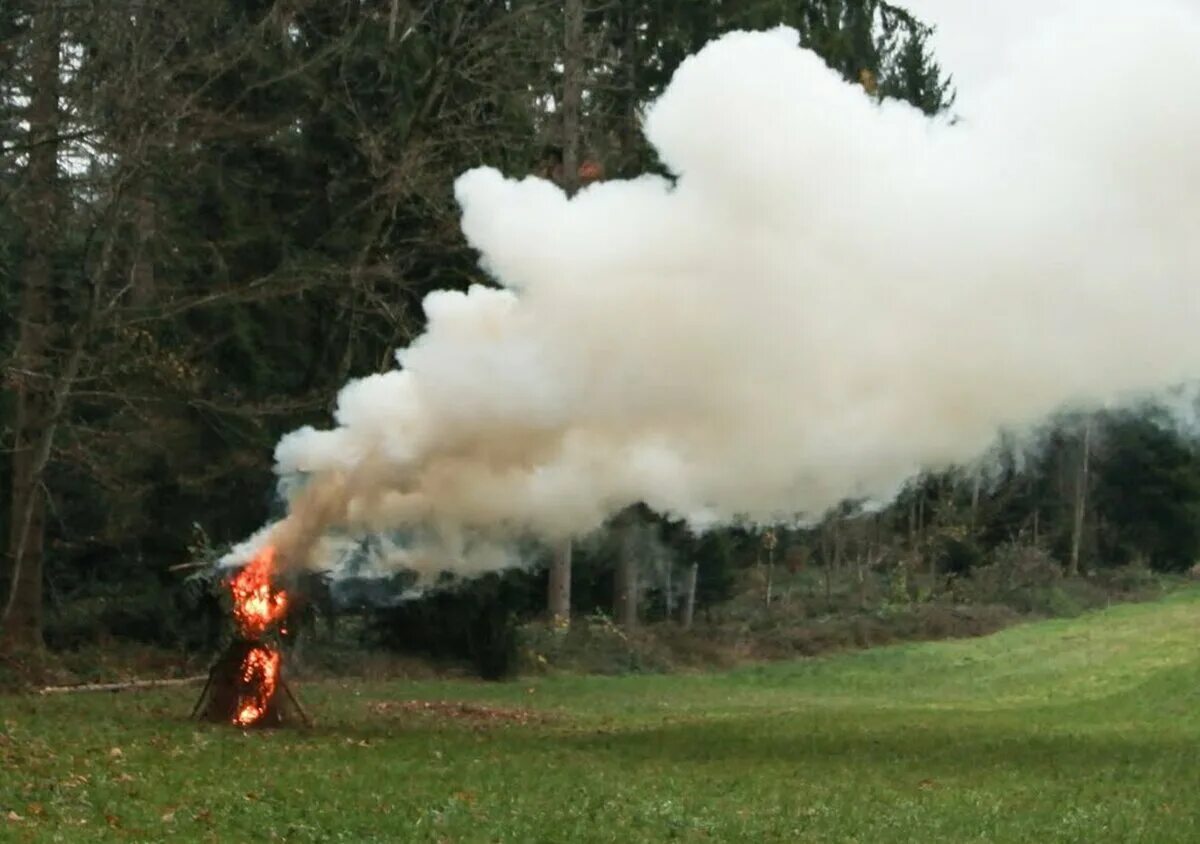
pixel 832 295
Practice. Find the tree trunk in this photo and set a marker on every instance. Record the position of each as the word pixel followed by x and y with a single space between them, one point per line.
pixel 558 601
pixel 860 576
pixel 21 621
pixel 572 94
pixel 689 595
pixel 668 597
pixel 558 598
pixel 921 516
pixel 912 521
pixel 625 603
pixel 827 557
pixel 1081 483
pixel 770 574
pixel 977 481
pixel 839 544
pixel 628 127
pixel 393 19
pixel 142 272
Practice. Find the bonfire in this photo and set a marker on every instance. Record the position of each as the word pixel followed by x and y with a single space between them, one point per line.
pixel 245 683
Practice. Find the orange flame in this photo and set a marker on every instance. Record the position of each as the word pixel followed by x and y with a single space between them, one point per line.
pixel 256 606
pixel 260 672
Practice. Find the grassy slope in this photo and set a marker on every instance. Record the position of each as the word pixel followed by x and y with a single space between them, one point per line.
pixel 1080 730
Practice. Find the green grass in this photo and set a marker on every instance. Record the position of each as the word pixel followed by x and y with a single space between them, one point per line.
pixel 1081 730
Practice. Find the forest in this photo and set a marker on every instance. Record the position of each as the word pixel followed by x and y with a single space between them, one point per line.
pixel 215 214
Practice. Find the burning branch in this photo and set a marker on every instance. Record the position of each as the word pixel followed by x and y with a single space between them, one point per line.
pixel 257 605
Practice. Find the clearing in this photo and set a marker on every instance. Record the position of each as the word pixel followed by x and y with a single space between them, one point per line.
pixel 1080 730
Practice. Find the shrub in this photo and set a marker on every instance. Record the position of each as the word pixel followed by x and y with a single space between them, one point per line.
pixel 594 645
pixel 1136 578
pixel 475 623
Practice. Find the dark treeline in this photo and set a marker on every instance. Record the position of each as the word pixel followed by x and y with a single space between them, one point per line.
pixel 214 213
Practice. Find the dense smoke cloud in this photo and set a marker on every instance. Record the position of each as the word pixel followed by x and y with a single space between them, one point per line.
pixel 830 296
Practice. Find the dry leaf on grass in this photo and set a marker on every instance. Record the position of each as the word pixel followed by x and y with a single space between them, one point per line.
pixel 461 711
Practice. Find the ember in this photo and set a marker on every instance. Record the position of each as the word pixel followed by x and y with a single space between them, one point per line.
pixel 243 685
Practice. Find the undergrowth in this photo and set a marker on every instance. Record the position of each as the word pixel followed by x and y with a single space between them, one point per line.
pixel 811 615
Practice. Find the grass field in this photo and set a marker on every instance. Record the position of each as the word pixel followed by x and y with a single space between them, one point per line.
pixel 1082 730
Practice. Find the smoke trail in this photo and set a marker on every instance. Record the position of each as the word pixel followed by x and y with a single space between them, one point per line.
pixel 830 296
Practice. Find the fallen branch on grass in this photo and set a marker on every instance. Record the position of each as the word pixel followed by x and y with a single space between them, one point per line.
pixel 121 687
